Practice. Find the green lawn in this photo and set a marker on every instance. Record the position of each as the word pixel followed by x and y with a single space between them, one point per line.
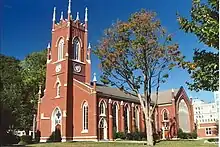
pixel 199 143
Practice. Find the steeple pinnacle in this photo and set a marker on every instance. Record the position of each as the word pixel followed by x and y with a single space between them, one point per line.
pixel 54 14
pixel 61 16
pixel 86 14
pixel 54 18
pixel 89 47
pixel 94 78
pixel 77 16
pixel 69 9
pixel 48 46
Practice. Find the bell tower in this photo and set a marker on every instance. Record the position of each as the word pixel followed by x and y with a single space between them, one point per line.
pixel 68 58
pixel 70 42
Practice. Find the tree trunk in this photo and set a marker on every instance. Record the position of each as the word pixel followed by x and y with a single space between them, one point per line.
pixel 150 140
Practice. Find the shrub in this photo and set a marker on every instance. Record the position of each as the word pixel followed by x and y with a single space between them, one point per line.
pixel 121 135
pixel 38 136
pixel 9 138
pixel 117 135
pixel 183 135
pixel 25 139
pixel 194 134
pixel 213 140
pixel 143 135
pixel 180 133
pixel 114 134
pixel 55 137
pixel 156 136
pixel 136 136
pixel 129 136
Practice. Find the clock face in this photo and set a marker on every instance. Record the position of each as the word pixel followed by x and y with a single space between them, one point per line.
pixel 58 67
pixel 77 68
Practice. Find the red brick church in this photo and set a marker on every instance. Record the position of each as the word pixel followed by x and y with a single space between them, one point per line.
pixel 85 111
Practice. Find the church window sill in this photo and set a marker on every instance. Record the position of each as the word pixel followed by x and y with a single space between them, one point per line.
pixel 78 61
pixel 84 131
pixel 58 61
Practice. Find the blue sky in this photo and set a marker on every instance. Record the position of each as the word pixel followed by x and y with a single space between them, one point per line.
pixel 27 27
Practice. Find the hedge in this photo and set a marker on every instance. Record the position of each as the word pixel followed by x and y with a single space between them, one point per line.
pixel 184 135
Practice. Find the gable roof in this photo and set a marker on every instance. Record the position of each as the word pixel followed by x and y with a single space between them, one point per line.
pixel 115 93
pixel 164 97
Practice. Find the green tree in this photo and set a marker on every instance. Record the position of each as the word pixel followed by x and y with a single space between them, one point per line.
pixel 204 23
pixel 33 74
pixel 10 93
pixel 19 82
pixel 136 56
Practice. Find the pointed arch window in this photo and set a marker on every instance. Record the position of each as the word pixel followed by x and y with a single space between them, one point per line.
pixel 85 117
pixel 76 49
pixel 57 116
pixel 60 49
pixel 126 119
pixel 165 115
pixel 58 86
pixel 137 124
pixel 102 108
pixel 115 117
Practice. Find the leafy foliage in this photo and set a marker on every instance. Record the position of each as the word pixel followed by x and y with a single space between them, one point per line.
pixel 55 136
pixel 8 138
pixel 204 71
pixel 33 73
pixel 184 135
pixel 213 139
pixel 136 56
pixel 10 94
pixel 19 81
pixel 204 24
pixel 25 139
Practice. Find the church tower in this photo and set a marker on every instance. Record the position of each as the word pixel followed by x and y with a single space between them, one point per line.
pixel 68 59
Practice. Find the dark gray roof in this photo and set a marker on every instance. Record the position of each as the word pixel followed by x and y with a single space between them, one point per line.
pixel 164 97
pixel 115 93
pixel 111 92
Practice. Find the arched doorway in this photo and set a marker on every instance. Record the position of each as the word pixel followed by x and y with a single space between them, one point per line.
pixel 103 129
pixel 57 133
pixel 56 128
pixel 184 120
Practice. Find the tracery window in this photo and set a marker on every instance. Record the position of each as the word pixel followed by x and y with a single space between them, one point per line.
pixel 102 108
pixel 60 49
pixel 76 49
pixel 165 115
pixel 85 116
pixel 115 117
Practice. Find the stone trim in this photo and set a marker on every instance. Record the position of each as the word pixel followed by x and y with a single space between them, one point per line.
pixel 43 117
pixel 83 84
pixel 58 61
pixel 84 137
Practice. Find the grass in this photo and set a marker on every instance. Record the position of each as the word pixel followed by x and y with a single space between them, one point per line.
pixel 198 143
